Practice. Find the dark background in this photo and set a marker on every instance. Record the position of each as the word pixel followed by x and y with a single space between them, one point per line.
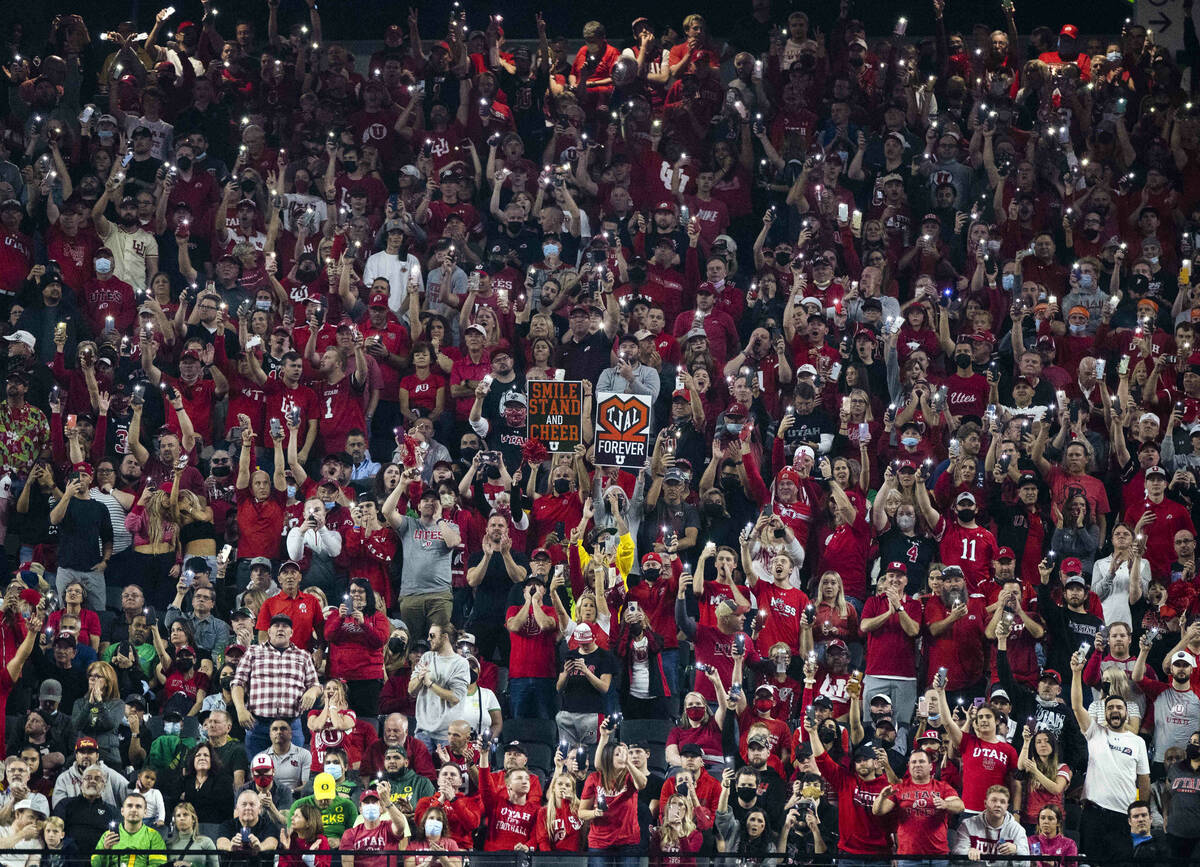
pixel 350 20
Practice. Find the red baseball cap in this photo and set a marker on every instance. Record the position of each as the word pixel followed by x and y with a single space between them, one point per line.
pixel 897 566
pixel 1006 553
pixel 664 206
pixel 652 557
pixel 1051 674
pixel 1071 566
pixel 1070 31
pixel 788 474
pixel 682 392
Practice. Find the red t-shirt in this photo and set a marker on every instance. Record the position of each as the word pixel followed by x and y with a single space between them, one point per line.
pixel 782 623
pixel 531 651
pixel 708 736
pixel 422 393
pixel 619 825
pixel 305 611
pixel 861 832
pixel 845 552
pixel 961 649
pixel 280 396
pixel 921 827
pixel 381 842
pixel 984 765
pixel 889 649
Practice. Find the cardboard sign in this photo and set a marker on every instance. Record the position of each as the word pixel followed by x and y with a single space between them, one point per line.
pixel 556 413
pixel 622 429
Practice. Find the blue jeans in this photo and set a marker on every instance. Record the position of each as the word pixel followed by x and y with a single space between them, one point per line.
pixel 910 862
pixel 532 697
pixel 670 664
pixel 258 737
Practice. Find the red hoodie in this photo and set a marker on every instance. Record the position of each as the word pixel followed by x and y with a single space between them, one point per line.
pixel 463 815
pixel 507 823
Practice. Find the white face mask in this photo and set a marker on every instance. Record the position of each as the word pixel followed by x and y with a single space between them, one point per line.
pixel 371 812
pixel 433 827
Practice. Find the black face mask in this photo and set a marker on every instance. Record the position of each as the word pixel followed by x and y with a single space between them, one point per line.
pixel 221 471
pixel 561 486
pixel 226 682
pixel 184 163
pixel 828 735
pixel 247 185
pixel 635 629
pixel 467 455
pixel 396 645
pixel 966 515
pixel 637 275
pixel 682 788
pixel 495 266
pixel 651 574
pixel 474 676
pixel 185 663
pixel 747 793
pixel 714 510
pixel 1091 234
pixel 962 360
pixel 782 258
pixel 730 483
pixel 514 226
pixel 1193 751
pixel 307 275
pixel 351 166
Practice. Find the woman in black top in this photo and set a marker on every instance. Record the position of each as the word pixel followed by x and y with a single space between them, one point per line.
pixel 207 786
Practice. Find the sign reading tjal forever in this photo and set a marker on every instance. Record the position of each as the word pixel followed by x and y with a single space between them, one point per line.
pixel 622 429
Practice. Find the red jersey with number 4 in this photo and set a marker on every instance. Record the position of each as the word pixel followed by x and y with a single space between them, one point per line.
pixel 971 548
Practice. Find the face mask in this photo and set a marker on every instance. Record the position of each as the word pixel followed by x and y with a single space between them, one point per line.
pixel 549 250
pixel 695 714
pixel 730 483
pixel 351 166
pixel 1153 260
pixel 467 455
pixel 1008 281
pixel 1113 57
pixel 474 676
pixel 262 304
pixel 651 574
pixel 1193 751
pixel 226 682
pixel 447 501
pixel 910 442
pixel 962 360
pixel 103 265
pixel 105 134
pixel 1077 329
pixel 514 226
pixel 396 645
pixel 637 275
pixel 221 471
pixel 329 504
pixel 906 522
pixel 966 515
pixel 1086 281
pixel 184 163
pixel 733 428
pixel 263 781
pixel 433 827
pixel 334 770
pixel 185 663
pixel 747 793
pixel 370 812
pixel 561 486
pixel 291 492
pixel 172 728
pixel 763 705
pixel 714 510
pixel 307 275
pixel 783 258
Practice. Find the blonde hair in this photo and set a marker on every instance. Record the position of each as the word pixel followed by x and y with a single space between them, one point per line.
pixel 839 599
pixel 56 823
pixel 186 807
pixel 670 837
pixel 552 800
pixel 157 510
pixel 110 678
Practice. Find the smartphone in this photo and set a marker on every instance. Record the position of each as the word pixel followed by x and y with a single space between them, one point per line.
pixel 631 607
pixel 71 420
pixel 923 706
pixel 864 431
pixel 276 428
pixel 977 702
pixel 272 262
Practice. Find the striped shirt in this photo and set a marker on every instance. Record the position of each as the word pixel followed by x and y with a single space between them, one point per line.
pixel 122 538
pixel 274 680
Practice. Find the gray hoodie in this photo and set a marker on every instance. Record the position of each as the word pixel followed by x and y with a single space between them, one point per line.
pixel 975 833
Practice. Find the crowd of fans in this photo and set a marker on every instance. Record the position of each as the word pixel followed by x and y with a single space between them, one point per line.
pixel 910 568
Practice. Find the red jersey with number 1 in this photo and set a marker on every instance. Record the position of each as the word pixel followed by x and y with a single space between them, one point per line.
pixel 341 411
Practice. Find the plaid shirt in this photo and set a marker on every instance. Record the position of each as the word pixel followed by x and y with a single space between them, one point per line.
pixel 275 680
